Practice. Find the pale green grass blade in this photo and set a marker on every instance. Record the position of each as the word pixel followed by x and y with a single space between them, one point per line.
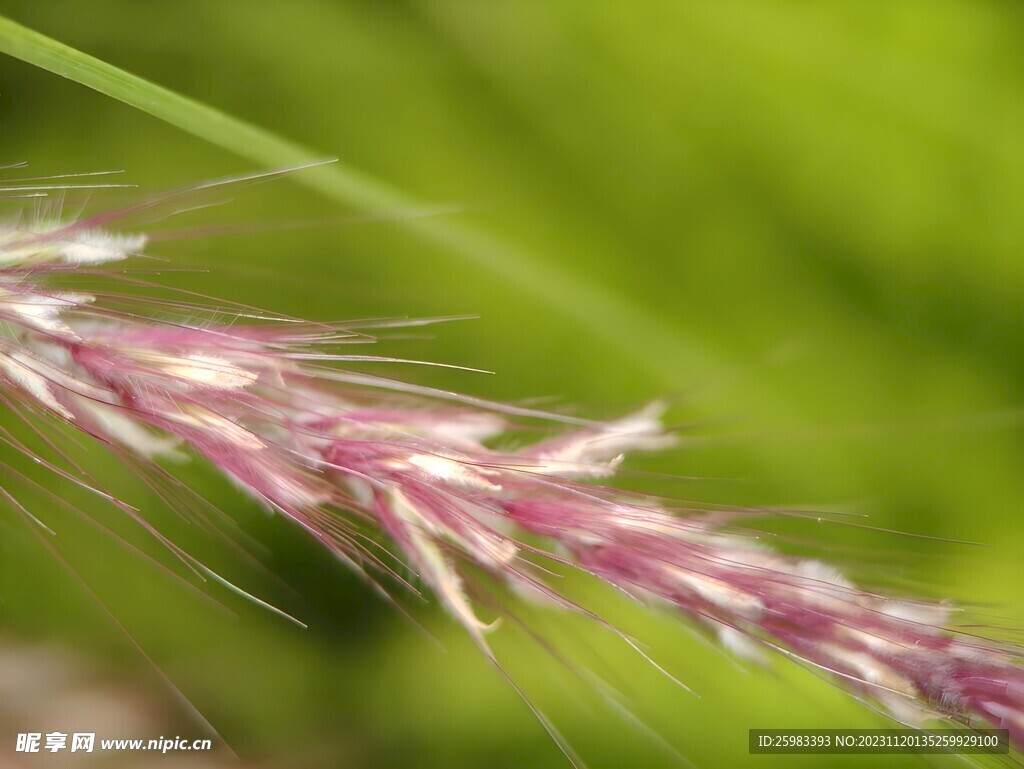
pixel 667 355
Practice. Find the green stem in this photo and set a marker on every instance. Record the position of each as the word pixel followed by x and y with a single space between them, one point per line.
pixel 668 356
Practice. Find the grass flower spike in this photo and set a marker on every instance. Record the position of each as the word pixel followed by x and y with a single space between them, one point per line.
pixel 282 410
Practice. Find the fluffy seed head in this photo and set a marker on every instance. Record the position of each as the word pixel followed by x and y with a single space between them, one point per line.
pixel 277 408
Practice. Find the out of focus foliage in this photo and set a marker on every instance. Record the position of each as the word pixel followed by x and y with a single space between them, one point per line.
pixel 817 206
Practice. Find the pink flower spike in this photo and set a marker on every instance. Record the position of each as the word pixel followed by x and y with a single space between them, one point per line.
pixel 269 405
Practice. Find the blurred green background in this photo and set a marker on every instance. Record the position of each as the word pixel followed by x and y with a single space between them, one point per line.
pixel 809 213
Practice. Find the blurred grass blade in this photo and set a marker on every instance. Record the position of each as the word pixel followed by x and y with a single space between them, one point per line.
pixel 668 356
